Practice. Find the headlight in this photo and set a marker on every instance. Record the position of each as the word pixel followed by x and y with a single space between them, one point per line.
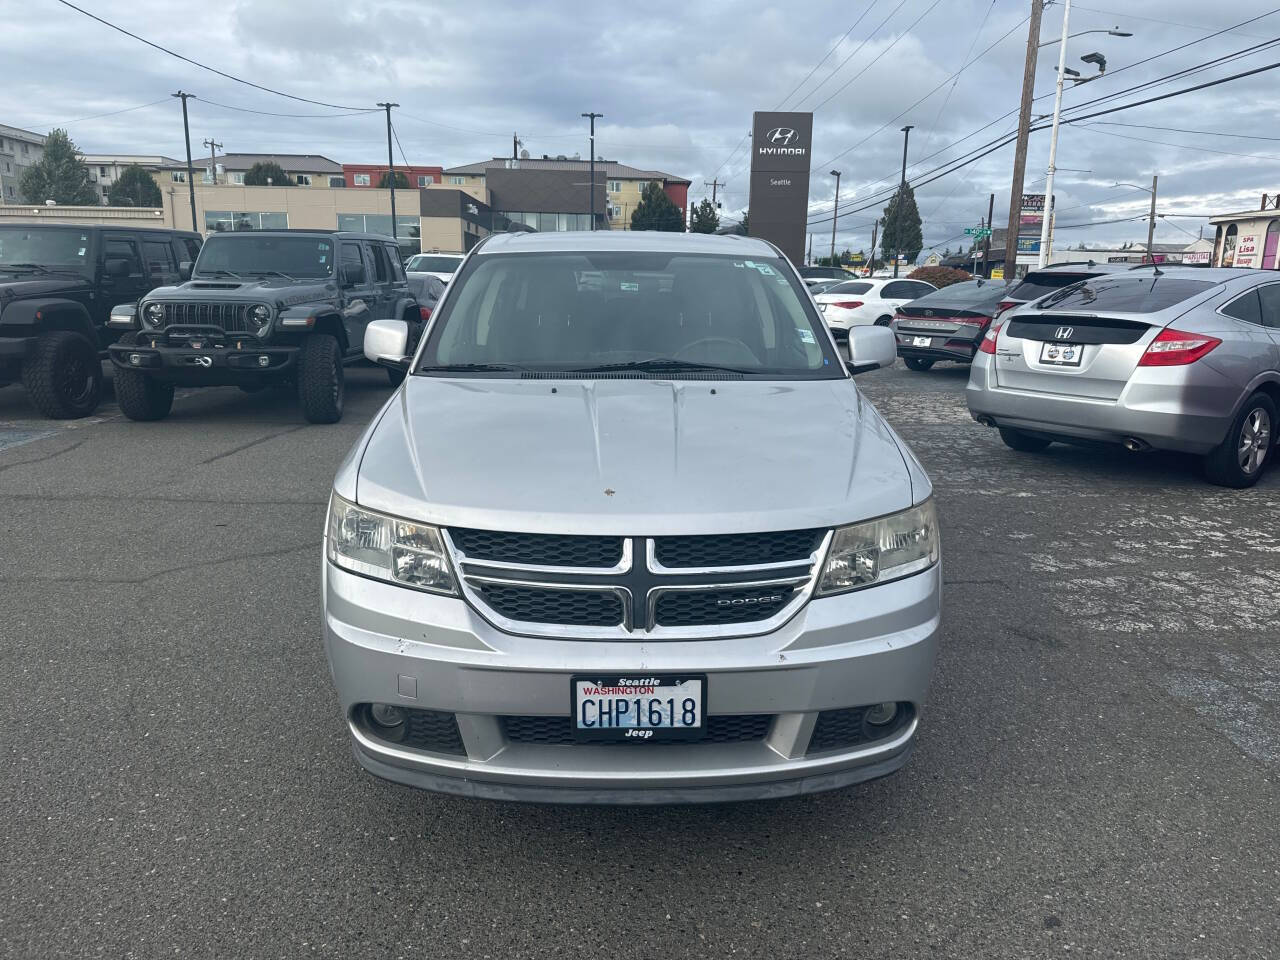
pixel 387 548
pixel 877 551
pixel 260 315
pixel 154 314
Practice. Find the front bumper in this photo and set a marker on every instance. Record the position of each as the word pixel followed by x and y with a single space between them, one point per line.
pixel 1186 408
pixel 235 361
pixel 387 644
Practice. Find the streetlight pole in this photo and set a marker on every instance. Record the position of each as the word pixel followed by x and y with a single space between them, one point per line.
pixel 835 216
pixel 897 207
pixel 592 117
pixel 391 171
pixel 1053 138
pixel 191 174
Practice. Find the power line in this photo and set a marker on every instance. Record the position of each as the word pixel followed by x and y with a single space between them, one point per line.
pixel 840 66
pixel 1162 21
pixel 1206 133
pixel 99 116
pixel 964 62
pixel 202 66
pixel 1182 146
pixel 396 134
pixel 836 47
pixel 268 113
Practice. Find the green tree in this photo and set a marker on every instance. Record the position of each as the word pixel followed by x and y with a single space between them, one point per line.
pixel 60 175
pixel 705 218
pixel 134 188
pixel 901 226
pixel 264 170
pixel 746 226
pixel 655 211
pixel 402 182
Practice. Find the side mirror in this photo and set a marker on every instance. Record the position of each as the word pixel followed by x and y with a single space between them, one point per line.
pixel 117 267
pixel 352 274
pixel 871 348
pixel 184 271
pixel 387 342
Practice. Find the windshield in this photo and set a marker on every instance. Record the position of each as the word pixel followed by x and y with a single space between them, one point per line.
pixel 1037 285
pixel 851 286
pixel 427 263
pixel 247 254
pixel 1126 294
pixel 829 272
pixel 579 312
pixel 969 294
pixel 48 247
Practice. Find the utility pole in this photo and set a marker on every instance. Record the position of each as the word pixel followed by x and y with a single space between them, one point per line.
pixel 713 184
pixel 835 217
pixel 592 117
pixel 213 146
pixel 191 174
pixel 515 147
pixel 871 266
pixel 897 207
pixel 1024 132
pixel 391 170
pixel 809 259
pixel 986 241
pixel 1151 223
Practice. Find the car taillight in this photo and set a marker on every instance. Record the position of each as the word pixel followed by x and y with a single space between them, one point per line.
pixel 979 322
pixel 424 313
pixel 988 343
pixel 1174 348
pixel 1004 305
pixel 847 304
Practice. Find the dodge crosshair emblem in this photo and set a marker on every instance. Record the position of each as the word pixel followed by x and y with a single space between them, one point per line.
pixel 1063 333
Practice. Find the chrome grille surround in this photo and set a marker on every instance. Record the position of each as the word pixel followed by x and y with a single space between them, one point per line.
pixel 640 581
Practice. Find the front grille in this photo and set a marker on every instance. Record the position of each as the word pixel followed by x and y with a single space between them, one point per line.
pixel 229 317
pixel 547 550
pixel 537 604
pixel 846 728
pixel 737 549
pixel 696 608
pixel 745 728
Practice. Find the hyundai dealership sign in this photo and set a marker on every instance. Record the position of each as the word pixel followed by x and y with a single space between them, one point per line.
pixel 781 153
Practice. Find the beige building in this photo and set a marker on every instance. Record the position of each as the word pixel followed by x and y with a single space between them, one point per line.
pixel 105 168
pixel 303 169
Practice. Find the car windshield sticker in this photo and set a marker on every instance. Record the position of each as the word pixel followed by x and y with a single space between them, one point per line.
pixel 806 335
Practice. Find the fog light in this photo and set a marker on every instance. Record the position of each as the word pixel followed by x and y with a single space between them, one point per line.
pixel 264 361
pixel 881 713
pixel 385 715
pixel 135 359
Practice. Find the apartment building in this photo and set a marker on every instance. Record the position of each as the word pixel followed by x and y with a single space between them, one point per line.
pixel 105 168
pixel 19 149
pixel 302 169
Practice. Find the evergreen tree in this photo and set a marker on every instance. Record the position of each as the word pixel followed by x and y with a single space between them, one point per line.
pixel 901 227
pixel 402 182
pixel 134 188
pixel 705 218
pixel 655 211
pixel 262 171
pixel 60 175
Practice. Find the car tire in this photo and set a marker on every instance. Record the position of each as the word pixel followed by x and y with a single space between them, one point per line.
pixel 1022 442
pixel 1238 461
pixel 63 375
pixel 918 364
pixel 884 321
pixel 395 377
pixel 141 397
pixel 321 384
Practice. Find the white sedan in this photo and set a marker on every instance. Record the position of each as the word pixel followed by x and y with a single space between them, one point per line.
pixel 439 265
pixel 865 303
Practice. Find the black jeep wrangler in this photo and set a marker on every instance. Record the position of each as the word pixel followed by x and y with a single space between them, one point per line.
pixel 261 308
pixel 58 283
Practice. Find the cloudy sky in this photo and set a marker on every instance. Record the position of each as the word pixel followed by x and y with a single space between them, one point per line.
pixel 677 83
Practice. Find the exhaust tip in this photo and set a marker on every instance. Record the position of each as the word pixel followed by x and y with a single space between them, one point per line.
pixel 1134 445
pixel 985 420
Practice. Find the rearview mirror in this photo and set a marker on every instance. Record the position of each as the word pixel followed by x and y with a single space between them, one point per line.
pixel 352 274
pixel 387 342
pixel 871 348
pixel 184 271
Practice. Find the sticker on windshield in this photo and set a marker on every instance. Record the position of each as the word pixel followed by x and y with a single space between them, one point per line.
pixel 81 253
pixel 806 335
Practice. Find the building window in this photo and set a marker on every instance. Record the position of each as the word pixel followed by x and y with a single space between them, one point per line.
pixel 304 179
pixel 179 176
pixel 615 212
pixel 457 181
pixel 24 150
pixel 237 178
pixel 361 179
pixel 615 186
pixel 11 191
pixel 424 180
pixel 227 221
pixel 337 182
pixel 102 171
pixel 409 226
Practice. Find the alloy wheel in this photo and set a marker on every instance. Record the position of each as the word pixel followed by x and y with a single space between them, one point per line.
pixel 1255 440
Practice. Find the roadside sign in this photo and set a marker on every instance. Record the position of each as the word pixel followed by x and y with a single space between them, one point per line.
pixel 979 232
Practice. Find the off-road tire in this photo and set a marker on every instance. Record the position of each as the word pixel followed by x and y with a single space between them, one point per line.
pixel 917 364
pixel 321 384
pixel 63 375
pixel 1223 464
pixel 1022 442
pixel 141 397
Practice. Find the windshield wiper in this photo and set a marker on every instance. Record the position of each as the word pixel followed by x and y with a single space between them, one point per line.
pixel 278 273
pixel 27 266
pixel 219 273
pixel 471 368
pixel 657 364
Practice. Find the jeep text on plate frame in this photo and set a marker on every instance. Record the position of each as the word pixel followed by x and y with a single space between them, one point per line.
pixel 641 707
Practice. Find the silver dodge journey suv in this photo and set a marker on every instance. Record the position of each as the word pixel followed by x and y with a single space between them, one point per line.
pixel 629 533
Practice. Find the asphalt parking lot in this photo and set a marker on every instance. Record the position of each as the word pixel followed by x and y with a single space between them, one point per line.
pixel 1096 774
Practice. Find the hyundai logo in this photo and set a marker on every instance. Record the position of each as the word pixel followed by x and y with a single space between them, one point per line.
pixel 1063 333
pixel 782 135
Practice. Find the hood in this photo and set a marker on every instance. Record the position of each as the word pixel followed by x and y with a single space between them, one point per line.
pixel 24 286
pixel 631 457
pixel 276 290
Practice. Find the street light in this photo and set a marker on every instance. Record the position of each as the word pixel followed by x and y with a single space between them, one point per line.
pixel 1115 32
pixel 835 216
pixel 1101 62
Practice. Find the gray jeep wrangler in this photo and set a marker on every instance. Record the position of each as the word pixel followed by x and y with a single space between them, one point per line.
pixel 261 308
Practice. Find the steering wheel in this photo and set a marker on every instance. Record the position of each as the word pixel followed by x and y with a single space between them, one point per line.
pixel 737 345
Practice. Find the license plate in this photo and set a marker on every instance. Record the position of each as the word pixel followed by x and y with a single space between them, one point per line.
pixel 639 707
pixel 921 341
pixel 1061 354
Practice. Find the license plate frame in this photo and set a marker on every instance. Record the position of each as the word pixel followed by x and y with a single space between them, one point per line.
pixel 1057 354
pixel 921 341
pixel 677 688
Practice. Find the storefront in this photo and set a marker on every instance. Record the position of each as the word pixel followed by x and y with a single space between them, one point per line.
pixel 1250 239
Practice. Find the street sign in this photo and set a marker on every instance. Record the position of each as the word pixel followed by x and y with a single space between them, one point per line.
pixel 979 232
